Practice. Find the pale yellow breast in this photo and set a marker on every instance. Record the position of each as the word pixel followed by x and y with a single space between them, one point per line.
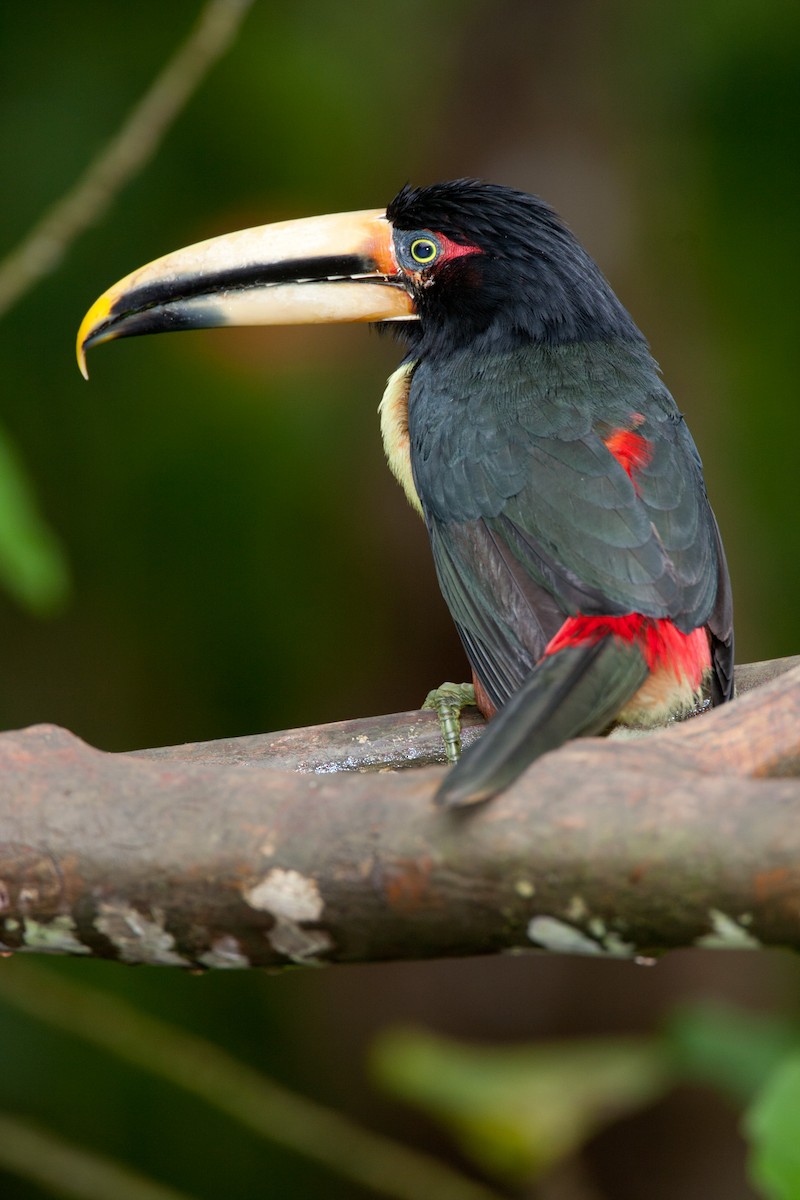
pixel 393 411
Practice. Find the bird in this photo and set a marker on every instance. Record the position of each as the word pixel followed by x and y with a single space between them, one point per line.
pixel 529 426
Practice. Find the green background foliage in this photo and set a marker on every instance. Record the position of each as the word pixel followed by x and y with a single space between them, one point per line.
pixel 205 542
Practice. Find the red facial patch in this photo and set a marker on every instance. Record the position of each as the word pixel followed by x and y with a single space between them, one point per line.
pixel 686 654
pixel 451 250
pixel 631 450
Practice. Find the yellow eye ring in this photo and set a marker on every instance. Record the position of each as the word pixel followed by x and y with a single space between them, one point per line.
pixel 424 251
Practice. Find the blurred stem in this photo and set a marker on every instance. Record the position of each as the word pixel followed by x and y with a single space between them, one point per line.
pixel 367 1159
pixel 67 1170
pixel 41 251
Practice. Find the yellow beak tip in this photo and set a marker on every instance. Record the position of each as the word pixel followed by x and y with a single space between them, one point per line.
pixel 90 325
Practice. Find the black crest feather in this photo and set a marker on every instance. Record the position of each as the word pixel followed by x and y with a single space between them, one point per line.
pixel 531 281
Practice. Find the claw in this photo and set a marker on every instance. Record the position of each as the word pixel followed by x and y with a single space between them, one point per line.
pixel 448 700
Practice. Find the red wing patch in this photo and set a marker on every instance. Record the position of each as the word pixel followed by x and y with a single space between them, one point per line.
pixel 632 450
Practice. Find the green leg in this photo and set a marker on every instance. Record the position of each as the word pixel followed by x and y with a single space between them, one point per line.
pixel 448 700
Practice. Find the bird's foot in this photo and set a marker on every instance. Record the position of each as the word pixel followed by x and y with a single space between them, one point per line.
pixel 448 700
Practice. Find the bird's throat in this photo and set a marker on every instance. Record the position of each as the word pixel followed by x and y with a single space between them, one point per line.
pixel 393 411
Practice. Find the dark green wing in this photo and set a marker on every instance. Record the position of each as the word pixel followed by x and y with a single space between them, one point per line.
pixel 532 518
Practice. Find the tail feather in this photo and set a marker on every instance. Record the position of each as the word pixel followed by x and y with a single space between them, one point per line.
pixel 574 692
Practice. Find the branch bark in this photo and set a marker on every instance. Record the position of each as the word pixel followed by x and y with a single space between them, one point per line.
pixel 311 846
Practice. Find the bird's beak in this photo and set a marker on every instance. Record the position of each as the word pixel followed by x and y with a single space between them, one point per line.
pixel 334 268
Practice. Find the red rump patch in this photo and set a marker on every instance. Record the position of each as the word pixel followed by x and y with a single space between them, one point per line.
pixel 631 450
pixel 685 654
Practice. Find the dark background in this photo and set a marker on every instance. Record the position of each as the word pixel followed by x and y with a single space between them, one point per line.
pixel 241 559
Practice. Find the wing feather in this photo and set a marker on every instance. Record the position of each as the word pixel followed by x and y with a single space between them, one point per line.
pixel 533 519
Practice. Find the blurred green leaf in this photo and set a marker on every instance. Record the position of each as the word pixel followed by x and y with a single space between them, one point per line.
pixel 518 1110
pixel 773 1127
pixel 33 567
pixel 733 1051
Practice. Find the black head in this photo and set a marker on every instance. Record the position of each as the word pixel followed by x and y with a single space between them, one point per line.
pixel 496 265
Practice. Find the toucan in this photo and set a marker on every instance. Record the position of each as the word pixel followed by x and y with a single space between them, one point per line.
pixel 528 425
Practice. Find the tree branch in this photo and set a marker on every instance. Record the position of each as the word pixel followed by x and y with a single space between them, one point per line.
pixel 217 855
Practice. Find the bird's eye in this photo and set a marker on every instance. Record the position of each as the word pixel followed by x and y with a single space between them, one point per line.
pixel 424 250
pixel 417 249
